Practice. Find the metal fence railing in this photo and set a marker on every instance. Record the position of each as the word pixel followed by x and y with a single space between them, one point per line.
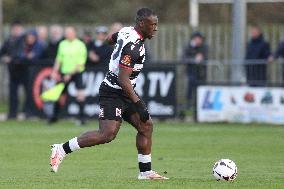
pixel 253 73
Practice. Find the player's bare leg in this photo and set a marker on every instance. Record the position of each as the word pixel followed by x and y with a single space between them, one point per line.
pixel 144 144
pixel 107 131
pixel 144 134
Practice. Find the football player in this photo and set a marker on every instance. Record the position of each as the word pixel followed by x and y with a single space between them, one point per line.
pixel 118 99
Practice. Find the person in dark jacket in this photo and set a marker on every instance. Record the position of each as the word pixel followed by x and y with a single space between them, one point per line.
pixel 8 54
pixel 87 38
pixel 100 51
pixel 9 50
pixel 257 54
pixel 280 50
pixel 30 49
pixel 29 52
pixel 56 36
pixel 279 53
pixel 195 55
pixel 42 35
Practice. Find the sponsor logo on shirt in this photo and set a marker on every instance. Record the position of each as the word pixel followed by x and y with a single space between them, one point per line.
pixel 126 60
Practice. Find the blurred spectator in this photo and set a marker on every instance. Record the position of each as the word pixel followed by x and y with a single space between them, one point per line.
pixel 56 35
pixel 10 46
pixel 42 33
pixel 87 38
pixel 279 53
pixel 30 49
pixel 70 64
pixel 257 54
pixel 17 73
pixel 100 51
pixel 195 55
pixel 196 50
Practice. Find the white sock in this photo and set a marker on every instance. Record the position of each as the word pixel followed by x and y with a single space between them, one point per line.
pixel 73 144
pixel 144 158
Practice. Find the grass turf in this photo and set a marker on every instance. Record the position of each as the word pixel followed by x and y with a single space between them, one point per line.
pixel 186 152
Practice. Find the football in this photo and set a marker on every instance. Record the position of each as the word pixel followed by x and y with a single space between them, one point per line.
pixel 225 169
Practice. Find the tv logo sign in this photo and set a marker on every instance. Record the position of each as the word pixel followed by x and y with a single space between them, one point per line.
pixel 212 100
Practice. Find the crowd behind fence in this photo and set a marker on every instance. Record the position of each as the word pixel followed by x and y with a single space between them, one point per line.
pixel 171 39
pixel 199 58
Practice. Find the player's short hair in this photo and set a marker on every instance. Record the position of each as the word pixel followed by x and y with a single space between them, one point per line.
pixel 144 13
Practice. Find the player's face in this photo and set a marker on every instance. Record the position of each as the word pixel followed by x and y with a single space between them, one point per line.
pixel 149 26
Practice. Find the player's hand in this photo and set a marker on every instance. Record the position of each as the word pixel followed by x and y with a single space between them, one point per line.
pixel 142 110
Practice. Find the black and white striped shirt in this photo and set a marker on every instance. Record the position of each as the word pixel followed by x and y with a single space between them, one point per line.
pixel 129 53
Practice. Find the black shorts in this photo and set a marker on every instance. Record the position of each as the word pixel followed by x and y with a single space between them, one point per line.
pixel 77 78
pixel 114 105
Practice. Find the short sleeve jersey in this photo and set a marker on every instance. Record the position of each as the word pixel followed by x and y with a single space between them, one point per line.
pixel 70 54
pixel 129 53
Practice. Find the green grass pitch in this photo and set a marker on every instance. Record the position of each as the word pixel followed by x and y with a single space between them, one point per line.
pixel 186 152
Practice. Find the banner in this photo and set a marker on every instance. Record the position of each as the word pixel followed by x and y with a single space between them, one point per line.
pixel 240 104
pixel 155 85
